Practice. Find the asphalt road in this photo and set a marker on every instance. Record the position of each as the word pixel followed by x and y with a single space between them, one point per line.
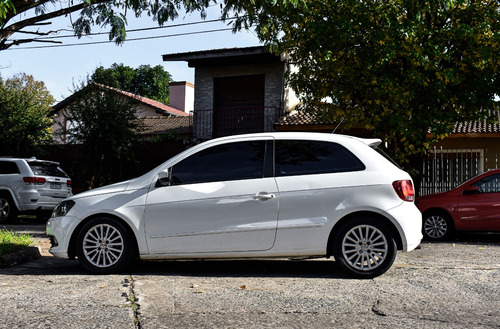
pixel 441 285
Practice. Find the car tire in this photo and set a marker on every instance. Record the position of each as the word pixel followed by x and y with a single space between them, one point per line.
pixel 104 246
pixel 8 210
pixel 437 226
pixel 364 247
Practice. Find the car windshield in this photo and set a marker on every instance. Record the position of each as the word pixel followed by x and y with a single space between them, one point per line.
pixel 47 169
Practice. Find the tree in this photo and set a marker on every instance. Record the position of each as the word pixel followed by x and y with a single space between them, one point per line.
pixel 26 16
pixel 105 124
pixel 147 81
pixel 25 105
pixel 400 68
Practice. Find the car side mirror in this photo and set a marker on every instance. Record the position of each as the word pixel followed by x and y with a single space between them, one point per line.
pixel 164 178
pixel 471 190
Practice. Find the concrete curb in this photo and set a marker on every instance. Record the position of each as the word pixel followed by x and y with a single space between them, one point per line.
pixel 19 257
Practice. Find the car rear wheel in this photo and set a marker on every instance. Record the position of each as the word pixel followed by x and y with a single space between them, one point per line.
pixel 8 210
pixel 104 246
pixel 364 247
pixel 437 226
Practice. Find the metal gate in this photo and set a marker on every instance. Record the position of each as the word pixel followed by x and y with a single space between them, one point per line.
pixel 445 169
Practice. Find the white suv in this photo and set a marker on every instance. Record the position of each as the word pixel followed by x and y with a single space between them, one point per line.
pixel 31 186
pixel 259 195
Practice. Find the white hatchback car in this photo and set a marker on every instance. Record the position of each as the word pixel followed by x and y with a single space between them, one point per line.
pixel 258 195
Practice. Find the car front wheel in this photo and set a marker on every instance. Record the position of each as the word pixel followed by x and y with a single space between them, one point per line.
pixel 364 247
pixel 437 226
pixel 104 246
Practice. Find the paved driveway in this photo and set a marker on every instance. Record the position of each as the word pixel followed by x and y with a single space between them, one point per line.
pixel 441 285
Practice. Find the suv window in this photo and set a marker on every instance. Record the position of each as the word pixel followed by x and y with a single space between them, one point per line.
pixel 233 161
pixel 8 167
pixel 47 169
pixel 302 157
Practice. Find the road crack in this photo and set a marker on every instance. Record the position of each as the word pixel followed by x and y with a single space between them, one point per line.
pixel 376 309
pixel 132 300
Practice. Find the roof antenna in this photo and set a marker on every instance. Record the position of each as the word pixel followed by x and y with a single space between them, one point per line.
pixel 341 121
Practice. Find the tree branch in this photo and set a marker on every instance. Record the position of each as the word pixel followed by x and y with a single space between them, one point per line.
pixel 23 6
pixel 11 29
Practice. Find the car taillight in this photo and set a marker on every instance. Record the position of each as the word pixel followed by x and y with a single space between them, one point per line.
pixel 69 183
pixel 34 180
pixel 404 189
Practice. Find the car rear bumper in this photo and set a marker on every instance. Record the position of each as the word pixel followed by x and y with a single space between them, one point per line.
pixel 32 201
pixel 409 224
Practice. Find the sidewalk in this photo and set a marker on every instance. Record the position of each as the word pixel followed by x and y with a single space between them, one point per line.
pixel 37 232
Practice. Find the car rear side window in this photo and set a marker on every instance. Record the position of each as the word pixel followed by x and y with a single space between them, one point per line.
pixel 303 157
pixel 8 167
pixel 47 169
pixel 226 162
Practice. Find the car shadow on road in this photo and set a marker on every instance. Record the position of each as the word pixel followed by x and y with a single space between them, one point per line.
pixel 318 268
pixel 472 238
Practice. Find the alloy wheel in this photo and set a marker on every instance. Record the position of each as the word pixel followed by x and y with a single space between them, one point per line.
pixel 365 247
pixel 103 245
pixel 4 209
pixel 435 227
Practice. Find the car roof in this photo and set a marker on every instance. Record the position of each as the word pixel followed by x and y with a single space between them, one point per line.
pixel 30 160
pixel 373 142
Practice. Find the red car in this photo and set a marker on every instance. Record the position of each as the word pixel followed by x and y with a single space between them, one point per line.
pixel 472 206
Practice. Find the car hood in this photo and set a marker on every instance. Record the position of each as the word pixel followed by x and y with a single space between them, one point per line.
pixel 114 188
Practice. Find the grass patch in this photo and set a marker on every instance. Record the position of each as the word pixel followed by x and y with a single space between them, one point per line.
pixel 11 242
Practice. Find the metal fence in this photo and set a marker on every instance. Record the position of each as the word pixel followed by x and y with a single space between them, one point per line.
pixel 224 122
pixel 445 169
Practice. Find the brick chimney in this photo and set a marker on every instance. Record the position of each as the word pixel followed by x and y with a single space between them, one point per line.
pixel 182 96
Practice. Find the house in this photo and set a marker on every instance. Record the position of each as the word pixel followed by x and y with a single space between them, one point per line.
pixel 146 109
pixel 238 90
pixel 472 148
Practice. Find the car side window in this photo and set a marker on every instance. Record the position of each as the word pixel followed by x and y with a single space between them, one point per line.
pixel 303 157
pixel 8 167
pixel 226 162
pixel 490 184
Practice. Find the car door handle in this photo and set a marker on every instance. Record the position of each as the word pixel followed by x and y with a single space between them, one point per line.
pixel 263 196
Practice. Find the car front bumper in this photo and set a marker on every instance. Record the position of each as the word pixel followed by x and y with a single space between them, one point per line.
pixel 60 231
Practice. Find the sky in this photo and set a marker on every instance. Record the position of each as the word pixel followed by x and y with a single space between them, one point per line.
pixel 62 68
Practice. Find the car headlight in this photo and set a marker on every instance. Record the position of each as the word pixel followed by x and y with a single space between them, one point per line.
pixel 62 208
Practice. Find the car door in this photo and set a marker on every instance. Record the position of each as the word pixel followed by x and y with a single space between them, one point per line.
pixel 479 207
pixel 221 199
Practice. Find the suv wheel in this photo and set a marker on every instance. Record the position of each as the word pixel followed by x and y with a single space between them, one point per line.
pixel 8 210
pixel 364 247
pixel 104 246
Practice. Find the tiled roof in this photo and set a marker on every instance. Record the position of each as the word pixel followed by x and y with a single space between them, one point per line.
pixel 476 127
pixel 157 106
pixel 301 119
pixel 467 127
pixel 164 124
pixel 148 101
